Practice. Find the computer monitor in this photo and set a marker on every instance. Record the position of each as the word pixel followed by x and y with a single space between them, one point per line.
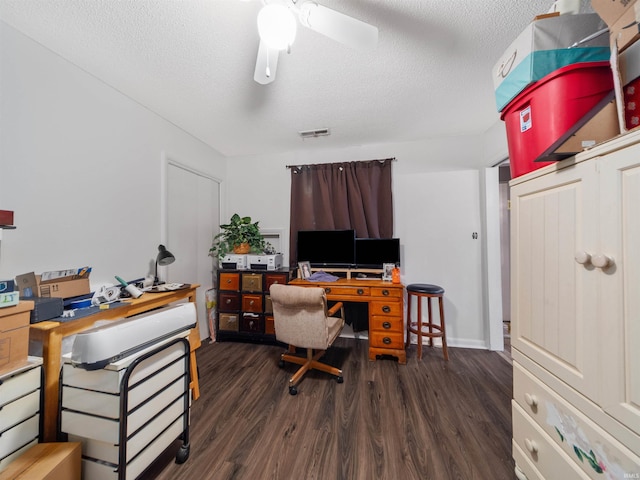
pixel 326 248
pixel 374 252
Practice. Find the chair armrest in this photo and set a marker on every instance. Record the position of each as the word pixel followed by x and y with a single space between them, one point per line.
pixel 332 311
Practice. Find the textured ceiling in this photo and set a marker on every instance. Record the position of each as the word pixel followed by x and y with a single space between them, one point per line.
pixel 192 62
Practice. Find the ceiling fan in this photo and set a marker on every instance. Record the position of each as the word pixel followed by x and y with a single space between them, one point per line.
pixel 277 27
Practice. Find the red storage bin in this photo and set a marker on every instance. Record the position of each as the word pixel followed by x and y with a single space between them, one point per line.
pixel 544 115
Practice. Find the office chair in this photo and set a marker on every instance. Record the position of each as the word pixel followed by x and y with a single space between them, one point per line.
pixel 301 319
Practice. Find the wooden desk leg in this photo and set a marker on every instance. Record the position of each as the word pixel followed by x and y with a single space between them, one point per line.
pixel 194 342
pixel 51 351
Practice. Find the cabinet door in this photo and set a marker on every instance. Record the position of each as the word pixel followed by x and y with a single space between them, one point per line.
pixel 554 298
pixel 619 312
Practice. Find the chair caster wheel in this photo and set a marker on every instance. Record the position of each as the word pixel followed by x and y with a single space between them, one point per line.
pixel 339 379
pixel 281 363
pixel 293 390
pixel 183 454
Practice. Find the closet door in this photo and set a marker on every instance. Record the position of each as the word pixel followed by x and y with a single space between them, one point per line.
pixel 554 298
pixel 619 315
pixel 192 221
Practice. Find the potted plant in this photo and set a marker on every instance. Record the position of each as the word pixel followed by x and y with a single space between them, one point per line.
pixel 240 235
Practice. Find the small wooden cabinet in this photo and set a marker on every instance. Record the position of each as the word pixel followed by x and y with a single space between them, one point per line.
pixel 244 305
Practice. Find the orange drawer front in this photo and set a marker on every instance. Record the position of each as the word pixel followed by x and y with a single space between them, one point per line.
pixel 252 303
pixel 350 291
pixel 386 324
pixel 229 281
pixel 386 292
pixel 380 339
pixel 386 308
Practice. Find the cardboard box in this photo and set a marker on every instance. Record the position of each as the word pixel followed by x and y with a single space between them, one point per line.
pixel 543 47
pixel 622 17
pixel 9 299
pixel 47 461
pixel 31 285
pixel 626 71
pixel 14 336
pixel 6 217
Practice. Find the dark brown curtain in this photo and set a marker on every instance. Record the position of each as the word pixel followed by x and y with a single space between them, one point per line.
pixel 338 196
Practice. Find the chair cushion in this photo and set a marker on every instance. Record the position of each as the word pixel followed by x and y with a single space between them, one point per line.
pixel 425 288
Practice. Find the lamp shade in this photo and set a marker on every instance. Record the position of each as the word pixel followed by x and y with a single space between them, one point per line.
pixel 165 257
pixel 276 26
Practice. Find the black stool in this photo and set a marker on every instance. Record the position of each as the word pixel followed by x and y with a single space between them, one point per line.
pixel 425 290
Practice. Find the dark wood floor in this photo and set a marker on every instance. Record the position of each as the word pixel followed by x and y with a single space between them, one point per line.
pixel 424 420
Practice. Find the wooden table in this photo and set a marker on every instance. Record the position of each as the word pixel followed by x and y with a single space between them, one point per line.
pixel 51 333
pixel 386 311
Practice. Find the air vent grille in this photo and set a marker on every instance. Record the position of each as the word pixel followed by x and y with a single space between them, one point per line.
pixel 319 132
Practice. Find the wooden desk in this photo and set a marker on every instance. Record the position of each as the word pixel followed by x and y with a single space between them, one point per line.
pixel 51 333
pixel 386 311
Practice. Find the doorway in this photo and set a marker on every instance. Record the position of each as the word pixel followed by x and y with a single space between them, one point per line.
pixel 504 175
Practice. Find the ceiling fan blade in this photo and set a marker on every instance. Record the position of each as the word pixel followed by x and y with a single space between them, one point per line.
pixel 338 26
pixel 266 64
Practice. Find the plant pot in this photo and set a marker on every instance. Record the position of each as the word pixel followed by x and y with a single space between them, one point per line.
pixel 241 249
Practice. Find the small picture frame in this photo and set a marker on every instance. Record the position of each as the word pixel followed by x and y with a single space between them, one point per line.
pixel 387 269
pixel 305 269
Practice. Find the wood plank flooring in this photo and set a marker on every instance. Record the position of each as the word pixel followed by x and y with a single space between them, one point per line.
pixel 424 420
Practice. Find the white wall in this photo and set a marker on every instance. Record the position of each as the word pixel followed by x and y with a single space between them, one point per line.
pixel 80 166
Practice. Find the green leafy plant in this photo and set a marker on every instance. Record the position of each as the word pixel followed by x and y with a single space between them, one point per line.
pixel 239 230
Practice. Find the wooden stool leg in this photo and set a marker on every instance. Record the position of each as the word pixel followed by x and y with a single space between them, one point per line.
pixel 444 335
pixel 419 324
pixel 430 322
pixel 408 341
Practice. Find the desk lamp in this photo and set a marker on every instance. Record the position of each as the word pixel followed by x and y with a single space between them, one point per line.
pixel 165 257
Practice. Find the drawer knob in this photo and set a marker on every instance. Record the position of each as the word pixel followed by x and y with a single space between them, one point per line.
pixel 360 291
pixel 251 302
pixel 386 340
pixel 583 258
pixel 601 260
pixel 385 292
pixel 531 400
pixel 228 301
pixel 327 290
pixel 531 445
pixel 386 325
pixel 386 309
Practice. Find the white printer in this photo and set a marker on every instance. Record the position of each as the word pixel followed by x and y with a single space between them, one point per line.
pixel 235 261
pixel 265 262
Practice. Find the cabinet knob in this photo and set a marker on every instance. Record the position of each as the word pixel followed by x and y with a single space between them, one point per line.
pixel 386 309
pixel 386 325
pixel 582 258
pixel 385 292
pixel 228 301
pixel 531 400
pixel 386 340
pixel 601 260
pixel 531 445
pixel 360 291
pixel 327 290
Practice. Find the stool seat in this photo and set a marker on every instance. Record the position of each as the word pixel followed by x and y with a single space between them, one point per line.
pixel 425 288
pixel 426 327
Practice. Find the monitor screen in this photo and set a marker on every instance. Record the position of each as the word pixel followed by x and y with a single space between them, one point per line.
pixel 373 252
pixel 326 248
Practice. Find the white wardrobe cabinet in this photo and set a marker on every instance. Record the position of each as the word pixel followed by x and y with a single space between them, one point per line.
pixel 575 235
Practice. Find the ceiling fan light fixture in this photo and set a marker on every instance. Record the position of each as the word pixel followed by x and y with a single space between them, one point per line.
pixel 277 26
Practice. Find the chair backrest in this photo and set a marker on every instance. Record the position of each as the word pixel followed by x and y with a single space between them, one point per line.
pixel 300 316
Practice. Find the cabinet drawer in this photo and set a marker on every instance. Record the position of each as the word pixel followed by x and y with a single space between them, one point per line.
pixel 386 292
pixel 386 308
pixel 229 281
pixel 229 302
pixel 251 282
pixel 386 339
pixel 540 450
pixel 252 323
pixel 268 304
pixel 228 322
pixel 18 410
pixel 269 325
pixel 386 324
pixel 273 278
pixel 555 416
pixel 19 384
pixel 252 303
pixel 19 435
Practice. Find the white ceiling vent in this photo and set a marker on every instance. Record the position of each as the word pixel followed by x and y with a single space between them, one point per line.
pixel 320 132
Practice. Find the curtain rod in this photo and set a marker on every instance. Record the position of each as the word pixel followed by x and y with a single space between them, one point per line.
pixel 393 159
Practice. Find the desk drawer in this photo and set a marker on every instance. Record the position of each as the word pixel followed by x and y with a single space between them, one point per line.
pixel 390 308
pixel 19 410
pixel 386 292
pixel 229 281
pixel 386 324
pixel 348 291
pixel 379 339
pixel 252 303
pixel 272 278
pixel 251 282
pixel 19 384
